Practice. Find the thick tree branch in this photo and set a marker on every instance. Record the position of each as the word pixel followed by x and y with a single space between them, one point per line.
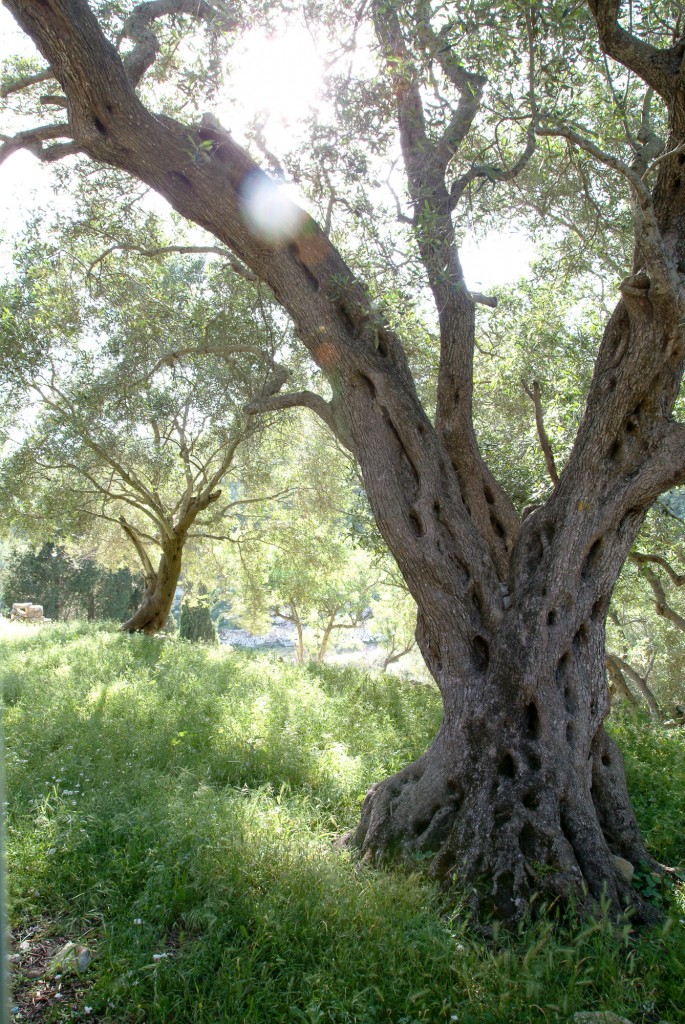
pixel 54 101
pixel 468 84
pixel 664 283
pixel 426 164
pixel 619 680
pixel 666 467
pixel 660 600
pixel 148 569
pixel 494 174
pixel 658 68
pixel 304 400
pixel 534 395
pixel 640 682
pixel 394 440
pixel 640 558
pixel 19 84
pixel 138 28
pixel 484 300
pixel 110 494
pixel 184 450
pixel 33 140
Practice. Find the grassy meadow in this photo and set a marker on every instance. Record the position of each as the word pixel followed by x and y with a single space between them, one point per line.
pixel 173 808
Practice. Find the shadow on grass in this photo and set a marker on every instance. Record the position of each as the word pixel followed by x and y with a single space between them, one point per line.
pixel 183 802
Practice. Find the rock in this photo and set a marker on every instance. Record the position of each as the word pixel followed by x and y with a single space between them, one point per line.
pixel 25 611
pixel 601 1017
pixel 624 868
pixel 71 958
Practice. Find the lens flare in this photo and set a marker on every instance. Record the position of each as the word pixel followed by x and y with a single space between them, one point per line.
pixel 268 213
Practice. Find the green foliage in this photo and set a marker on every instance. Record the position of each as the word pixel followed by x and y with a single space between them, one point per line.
pixel 542 332
pixel 117 594
pixel 68 587
pixel 303 564
pixel 139 372
pixel 196 623
pixel 655 768
pixel 178 803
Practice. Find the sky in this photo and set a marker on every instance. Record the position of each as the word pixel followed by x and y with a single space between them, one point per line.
pixel 283 89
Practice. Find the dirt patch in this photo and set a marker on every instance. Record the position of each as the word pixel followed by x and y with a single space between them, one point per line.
pixel 42 991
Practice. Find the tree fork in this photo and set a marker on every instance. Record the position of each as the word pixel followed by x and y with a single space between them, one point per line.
pixel 521 792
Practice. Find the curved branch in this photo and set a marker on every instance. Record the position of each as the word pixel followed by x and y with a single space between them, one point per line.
pixel 660 601
pixel 137 28
pixel 19 84
pixel 534 395
pixel 641 559
pixel 494 174
pixel 163 250
pixel 642 685
pixel 304 400
pixel 33 139
pixel 397 653
pixel 658 68
pixel 663 278
pixel 148 569
pixel 618 679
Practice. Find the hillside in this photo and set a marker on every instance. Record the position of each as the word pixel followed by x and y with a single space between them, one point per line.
pixel 173 809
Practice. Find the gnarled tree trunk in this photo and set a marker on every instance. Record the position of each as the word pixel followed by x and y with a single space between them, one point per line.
pixel 160 589
pixel 161 583
pixel 521 787
pixel 521 791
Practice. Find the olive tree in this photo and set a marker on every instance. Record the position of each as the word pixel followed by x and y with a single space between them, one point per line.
pixel 143 429
pixel 521 791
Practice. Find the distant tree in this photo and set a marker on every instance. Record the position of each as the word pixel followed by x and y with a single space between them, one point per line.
pixel 68 587
pixel 323 585
pixel 196 619
pixel 141 432
pixel 394 622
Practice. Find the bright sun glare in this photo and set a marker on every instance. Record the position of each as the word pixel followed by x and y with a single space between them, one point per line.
pixel 277 81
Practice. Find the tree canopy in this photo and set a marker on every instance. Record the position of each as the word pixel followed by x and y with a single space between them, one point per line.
pixel 139 389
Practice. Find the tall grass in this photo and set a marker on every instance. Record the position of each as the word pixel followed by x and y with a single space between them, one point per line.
pixel 178 804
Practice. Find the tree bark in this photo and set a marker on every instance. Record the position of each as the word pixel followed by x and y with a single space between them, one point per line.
pixel 299 650
pixel 161 583
pixel 522 793
pixel 160 589
pixel 326 636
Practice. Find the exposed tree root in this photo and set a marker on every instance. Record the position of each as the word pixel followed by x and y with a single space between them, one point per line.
pixel 519 833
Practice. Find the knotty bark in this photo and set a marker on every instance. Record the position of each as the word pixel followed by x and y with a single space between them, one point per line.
pixel 521 791
pixel 161 582
pixel 160 588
